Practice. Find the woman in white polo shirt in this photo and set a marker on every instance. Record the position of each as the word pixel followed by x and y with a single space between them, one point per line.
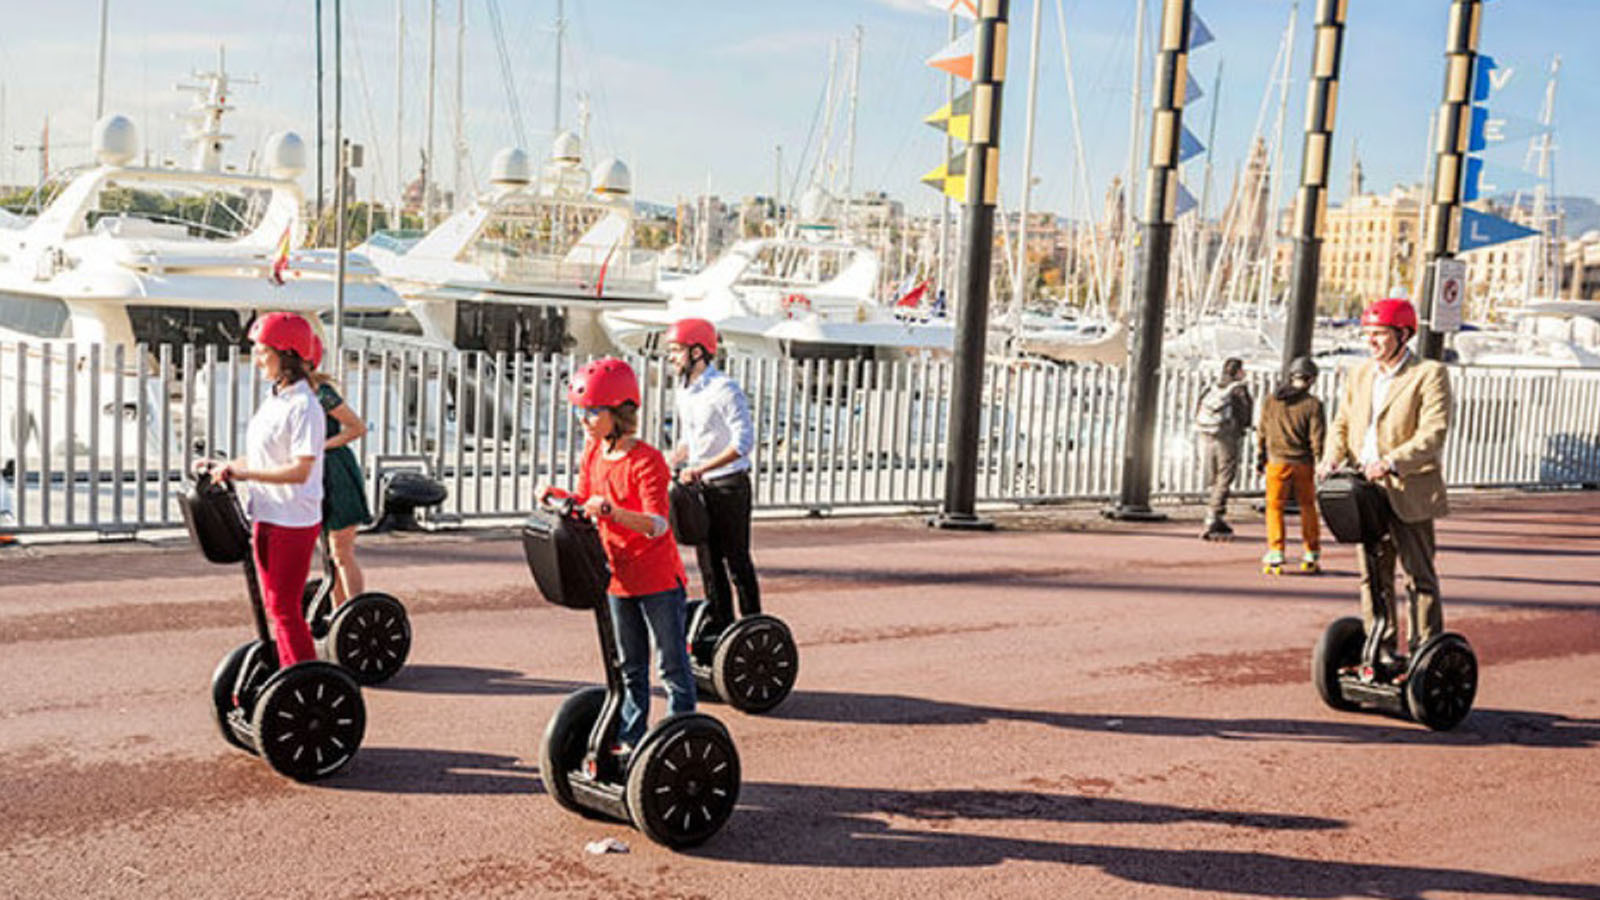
pixel 282 475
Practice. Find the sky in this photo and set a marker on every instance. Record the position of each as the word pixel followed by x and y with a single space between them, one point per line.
pixel 700 93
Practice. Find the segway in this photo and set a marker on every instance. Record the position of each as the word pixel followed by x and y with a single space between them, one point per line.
pixel 306 721
pixel 680 784
pixel 369 634
pixel 1351 669
pixel 750 662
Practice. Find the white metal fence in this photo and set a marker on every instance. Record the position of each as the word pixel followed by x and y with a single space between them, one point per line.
pixel 97 439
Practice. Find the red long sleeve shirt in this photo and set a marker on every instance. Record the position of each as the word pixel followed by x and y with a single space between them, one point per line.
pixel 640 564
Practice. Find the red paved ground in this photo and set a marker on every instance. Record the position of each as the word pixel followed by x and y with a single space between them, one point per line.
pixel 1062 708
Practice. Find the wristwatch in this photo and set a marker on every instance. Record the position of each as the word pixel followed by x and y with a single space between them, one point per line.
pixel 605 509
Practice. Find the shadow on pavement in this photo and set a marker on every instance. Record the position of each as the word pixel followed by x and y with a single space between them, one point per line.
pixel 435 679
pixel 814 825
pixel 1483 726
pixel 410 770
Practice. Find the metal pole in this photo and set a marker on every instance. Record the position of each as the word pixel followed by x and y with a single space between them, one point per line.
pixel 461 71
pixel 561 27
pixel 850 134
pixel 1160 210
pixel 339 198
pixel 1312 203
pixel 1455 130
pixel 983 182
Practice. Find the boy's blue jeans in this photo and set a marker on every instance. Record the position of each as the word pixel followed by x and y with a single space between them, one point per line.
pixel 638 621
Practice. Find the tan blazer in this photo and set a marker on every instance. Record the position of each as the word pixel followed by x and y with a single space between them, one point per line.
pixel 1411 430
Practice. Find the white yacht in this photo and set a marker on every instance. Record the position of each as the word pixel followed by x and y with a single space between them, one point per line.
pixel 1545 333
pixel 144 257
pixel 529 267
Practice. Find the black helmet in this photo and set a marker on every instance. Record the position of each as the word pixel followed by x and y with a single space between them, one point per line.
pixel 1303 367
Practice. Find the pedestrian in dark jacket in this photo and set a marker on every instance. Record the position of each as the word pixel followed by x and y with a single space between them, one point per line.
pixel 1288 445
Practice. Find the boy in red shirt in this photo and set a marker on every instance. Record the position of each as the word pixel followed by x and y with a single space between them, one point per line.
pixel 622 485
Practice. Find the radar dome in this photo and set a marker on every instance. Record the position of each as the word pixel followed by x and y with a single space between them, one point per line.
pixel 510 167
pixel 285 155
pixel 567 149
pixel 612 178
pixel 115 140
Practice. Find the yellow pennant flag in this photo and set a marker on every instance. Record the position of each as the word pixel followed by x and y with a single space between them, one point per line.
pixel 954 118
pixel 950 178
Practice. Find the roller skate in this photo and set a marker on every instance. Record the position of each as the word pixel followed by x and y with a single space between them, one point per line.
pixel 1272 562
pixel 1311 562
pixel 1216 530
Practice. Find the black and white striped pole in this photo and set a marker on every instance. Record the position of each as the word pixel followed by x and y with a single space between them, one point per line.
pixel 972 306
pixel 1311 204
pixel 1160 210
pixel 1450 146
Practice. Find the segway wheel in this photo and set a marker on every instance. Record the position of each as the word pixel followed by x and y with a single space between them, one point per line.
pixel 1442 683
pixel 756 664
pixel 566 740
pixel 371 637
pixel 1339 648
pixel 308 598
pixel 684 780
pixel 223 682
pixel 310 720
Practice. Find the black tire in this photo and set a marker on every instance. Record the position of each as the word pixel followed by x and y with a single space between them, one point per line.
pixel 310 720
pixel 223 682
pixel 683 782
pixel 308 597
pixel 370 636
pixel 756 664
pixel 697 618
pixel 1442 682
pixel 566 741
pixel 1339 647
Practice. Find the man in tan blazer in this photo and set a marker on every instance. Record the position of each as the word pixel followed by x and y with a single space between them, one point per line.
pixel 1391 424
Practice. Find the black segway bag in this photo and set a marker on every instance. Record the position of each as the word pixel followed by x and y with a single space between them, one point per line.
pixel 686 512
pixel 566 558
pixel 1356 510
pixel 216 523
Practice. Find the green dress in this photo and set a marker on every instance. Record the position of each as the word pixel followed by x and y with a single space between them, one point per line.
pixel 344 498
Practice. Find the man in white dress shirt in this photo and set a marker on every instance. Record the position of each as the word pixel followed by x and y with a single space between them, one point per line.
pixel 714 438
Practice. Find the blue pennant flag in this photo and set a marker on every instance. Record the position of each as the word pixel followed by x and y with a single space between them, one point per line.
pixel 1485 79
pixel 1191 91
pixel 1185 202
pixel 1199 34
pixel 1479 230
pixel 1488 130
pixel 1189 146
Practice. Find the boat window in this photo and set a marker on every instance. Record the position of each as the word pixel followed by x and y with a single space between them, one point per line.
pixel 510 328
pixel 44 317
pixel 156 325
pixel 388 321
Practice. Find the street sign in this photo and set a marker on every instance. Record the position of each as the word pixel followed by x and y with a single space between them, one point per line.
pixel 1449 294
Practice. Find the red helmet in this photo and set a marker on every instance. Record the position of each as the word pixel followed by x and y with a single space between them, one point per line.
pixel 1396 312
pixel 689 332
pixel 315 359
pixel 603 382
pixel 284 331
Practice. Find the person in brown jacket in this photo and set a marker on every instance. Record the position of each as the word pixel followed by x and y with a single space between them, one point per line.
pixel 1288 445
pixel 1391 424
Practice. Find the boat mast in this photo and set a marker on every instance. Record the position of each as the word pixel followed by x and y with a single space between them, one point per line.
pixel 1269 228
pixel 317 206
pixel 850 135
pixel 1537 274
pixel 460 139
pixel 1018 291
pixel 1134 130
pixel 100 80
pixel 395 220
pixel 427 154
pixel 949 150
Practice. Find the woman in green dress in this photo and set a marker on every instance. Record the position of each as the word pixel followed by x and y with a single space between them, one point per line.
pixel 344 498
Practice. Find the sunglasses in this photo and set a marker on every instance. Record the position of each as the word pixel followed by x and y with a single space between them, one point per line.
pixel 587 413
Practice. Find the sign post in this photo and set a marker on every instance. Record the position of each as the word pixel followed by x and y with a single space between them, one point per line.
pixel 1449 294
